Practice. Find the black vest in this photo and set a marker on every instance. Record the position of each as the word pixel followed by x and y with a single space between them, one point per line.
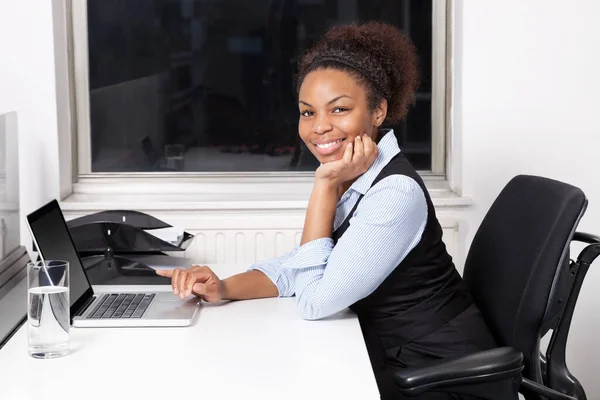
pixel 421 294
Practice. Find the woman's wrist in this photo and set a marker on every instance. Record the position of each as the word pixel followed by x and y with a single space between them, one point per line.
pixel 225 295
pixel 252 284
pixel 318 222
pixel 326 185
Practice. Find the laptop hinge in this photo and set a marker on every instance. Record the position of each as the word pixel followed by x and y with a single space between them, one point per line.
pixel 84 307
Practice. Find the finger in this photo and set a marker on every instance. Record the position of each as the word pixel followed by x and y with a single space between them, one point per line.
pixel 189 284
pixel 374 153
pixel 359 150
pixel 367 145
pixel 164 272
pixel 199 289
pixel 348 153
pixel 174 280
pixel 181 282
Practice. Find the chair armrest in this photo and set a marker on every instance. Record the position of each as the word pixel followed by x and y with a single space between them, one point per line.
pixel 483 366
pixel 586 237
pixel 590 252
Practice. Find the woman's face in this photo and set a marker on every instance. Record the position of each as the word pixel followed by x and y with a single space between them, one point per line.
pixel 333 111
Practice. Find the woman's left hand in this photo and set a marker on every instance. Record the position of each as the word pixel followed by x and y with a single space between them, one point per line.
pixel 356 161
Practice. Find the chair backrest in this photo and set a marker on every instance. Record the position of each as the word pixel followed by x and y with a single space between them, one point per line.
pixel 517 256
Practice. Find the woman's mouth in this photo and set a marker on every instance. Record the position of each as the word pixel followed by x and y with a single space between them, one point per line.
pixel 330 147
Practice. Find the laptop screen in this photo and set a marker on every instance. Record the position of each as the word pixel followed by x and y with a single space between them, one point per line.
pixel 53 241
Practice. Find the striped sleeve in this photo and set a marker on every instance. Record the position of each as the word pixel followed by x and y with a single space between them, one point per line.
pixel 387 225
pixel 283 280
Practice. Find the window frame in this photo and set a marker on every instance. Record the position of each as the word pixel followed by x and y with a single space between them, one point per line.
pixel 71 44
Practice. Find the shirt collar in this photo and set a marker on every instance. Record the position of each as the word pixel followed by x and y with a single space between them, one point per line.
pixel 388 149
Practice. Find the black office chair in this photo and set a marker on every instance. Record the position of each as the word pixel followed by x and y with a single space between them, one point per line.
pixel 523 281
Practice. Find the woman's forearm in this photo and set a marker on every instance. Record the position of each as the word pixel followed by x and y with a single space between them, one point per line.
pixel 248 285
pixel 318 224
pixel 321 211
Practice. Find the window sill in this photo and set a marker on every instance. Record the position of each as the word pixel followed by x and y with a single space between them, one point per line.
pixel 242 194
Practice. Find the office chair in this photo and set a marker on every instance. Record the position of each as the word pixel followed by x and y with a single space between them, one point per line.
pixel 519 272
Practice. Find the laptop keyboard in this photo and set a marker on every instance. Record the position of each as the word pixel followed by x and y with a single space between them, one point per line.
pixel 124 305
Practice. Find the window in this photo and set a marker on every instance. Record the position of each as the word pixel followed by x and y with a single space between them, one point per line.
pixel 207 85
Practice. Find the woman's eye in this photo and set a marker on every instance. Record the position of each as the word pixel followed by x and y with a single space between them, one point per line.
pixel 306 113
pixel 339 109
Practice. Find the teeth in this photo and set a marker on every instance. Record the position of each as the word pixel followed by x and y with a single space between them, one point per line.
pixel 328 145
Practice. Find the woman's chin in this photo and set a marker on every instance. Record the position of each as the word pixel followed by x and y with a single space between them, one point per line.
pixel 329 158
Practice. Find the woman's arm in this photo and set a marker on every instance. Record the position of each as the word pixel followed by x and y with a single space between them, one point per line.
pixel 269 279
pixel 260 281
pixel 387 225
pixel 329 178
pixel 248 285
pixel 320 213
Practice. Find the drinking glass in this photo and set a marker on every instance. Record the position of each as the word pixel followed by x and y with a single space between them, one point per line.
pixel 48 306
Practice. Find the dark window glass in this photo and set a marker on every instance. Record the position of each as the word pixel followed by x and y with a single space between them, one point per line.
pixel 207 85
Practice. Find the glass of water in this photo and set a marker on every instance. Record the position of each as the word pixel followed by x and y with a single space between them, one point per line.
pixel 48 305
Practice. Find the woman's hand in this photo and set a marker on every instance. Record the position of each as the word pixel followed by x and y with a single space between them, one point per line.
pixel 356 161
pixel 197 280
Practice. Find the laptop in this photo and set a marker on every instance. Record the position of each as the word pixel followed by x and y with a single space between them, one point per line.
pixel 133 307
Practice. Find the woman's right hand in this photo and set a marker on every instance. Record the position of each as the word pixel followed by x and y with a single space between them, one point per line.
pixel 198 280
pixel 357 159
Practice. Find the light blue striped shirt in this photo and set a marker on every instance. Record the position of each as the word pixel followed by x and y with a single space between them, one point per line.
pixel 386 226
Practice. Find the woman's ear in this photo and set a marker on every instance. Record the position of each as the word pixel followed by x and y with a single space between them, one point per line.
pixel 380 113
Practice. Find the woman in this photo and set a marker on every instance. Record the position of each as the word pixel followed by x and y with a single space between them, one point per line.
pixel 371 240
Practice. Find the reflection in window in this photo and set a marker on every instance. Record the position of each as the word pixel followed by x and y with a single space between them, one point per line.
pixel 207 85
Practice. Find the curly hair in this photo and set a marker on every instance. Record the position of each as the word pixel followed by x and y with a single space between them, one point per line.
pixel 377 54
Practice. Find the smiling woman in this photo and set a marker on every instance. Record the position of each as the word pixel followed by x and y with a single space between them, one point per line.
pixel 371 240
pixel 355 79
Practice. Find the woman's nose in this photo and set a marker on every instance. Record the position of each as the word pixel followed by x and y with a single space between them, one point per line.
pixel 322 125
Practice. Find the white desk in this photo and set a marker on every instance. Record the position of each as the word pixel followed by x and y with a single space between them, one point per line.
pixel 255 349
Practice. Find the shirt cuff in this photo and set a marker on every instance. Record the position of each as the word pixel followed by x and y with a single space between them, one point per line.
pixel 283 281
pixel 282 272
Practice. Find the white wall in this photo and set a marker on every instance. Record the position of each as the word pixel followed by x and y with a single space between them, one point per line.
pixel 27 86
pixel 528 101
